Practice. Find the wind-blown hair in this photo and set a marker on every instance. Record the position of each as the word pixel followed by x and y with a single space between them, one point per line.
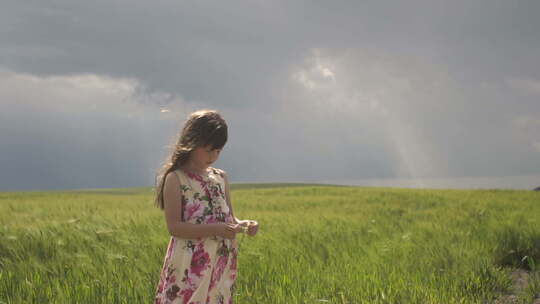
pixel 202 128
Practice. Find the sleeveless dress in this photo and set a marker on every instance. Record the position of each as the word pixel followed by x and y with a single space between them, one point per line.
pixel 202 270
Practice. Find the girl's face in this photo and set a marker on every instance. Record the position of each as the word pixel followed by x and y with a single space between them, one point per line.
pixel 205 156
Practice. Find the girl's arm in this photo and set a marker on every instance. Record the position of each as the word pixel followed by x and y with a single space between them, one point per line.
pixel 229 202
pixel 251 226
pixel 228 198
pixel 172 197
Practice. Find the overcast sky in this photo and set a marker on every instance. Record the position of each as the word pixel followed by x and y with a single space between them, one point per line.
pixel 93 93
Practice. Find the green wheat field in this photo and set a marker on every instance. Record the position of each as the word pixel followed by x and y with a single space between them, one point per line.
pixel 316 244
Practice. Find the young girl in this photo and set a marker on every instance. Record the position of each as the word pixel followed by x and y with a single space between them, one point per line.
pixel 200 263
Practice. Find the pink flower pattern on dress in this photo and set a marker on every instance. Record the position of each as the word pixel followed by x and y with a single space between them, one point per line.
pixel 233 264
pixel 203 202
pixel 186 294
pixel 221 263
pixel 200 260
pixel 192 210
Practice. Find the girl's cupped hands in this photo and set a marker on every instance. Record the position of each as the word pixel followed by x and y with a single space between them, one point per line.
pixel 251 227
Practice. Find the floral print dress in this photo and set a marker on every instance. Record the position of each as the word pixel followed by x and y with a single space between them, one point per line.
pixel 202 270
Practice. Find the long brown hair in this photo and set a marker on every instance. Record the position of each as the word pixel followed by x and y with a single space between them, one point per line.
pixel 202 128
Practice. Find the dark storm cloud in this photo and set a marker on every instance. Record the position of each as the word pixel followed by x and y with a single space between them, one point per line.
pixel 233 52
pixel 339 90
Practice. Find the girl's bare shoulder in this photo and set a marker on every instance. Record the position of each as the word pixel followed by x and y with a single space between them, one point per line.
pixel 171 179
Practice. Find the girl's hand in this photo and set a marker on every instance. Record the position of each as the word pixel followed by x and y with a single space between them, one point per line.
pixel 227 230
pixel 253 227
pixel 237 228
pixel 243 223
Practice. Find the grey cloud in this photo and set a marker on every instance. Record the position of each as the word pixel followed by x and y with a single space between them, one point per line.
pixel 79 132
pixel 233 52
pixel 58 151
pixel 422 88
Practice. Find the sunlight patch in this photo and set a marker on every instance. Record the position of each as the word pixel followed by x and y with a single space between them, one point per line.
pixel 316 72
